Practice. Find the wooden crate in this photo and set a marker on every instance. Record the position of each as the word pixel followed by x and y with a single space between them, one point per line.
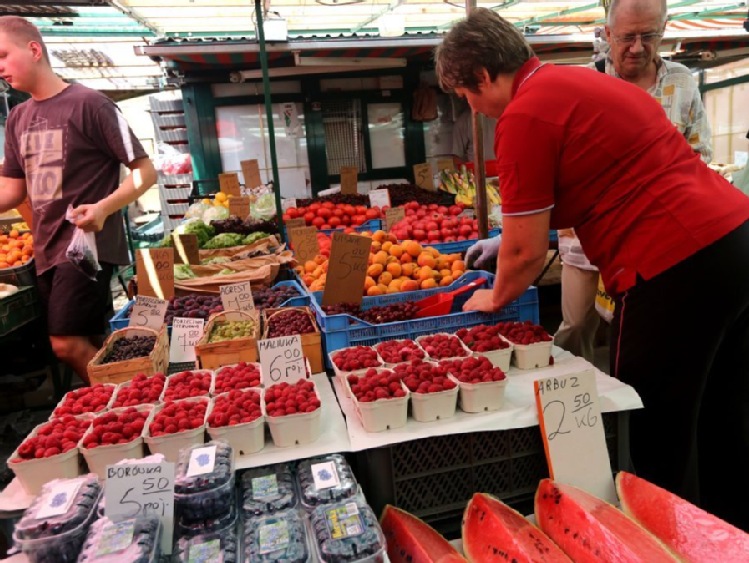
pixel 119 372
pixel 213 355
pixel 311 342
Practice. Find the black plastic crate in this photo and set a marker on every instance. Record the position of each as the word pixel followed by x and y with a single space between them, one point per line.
pixel 434 478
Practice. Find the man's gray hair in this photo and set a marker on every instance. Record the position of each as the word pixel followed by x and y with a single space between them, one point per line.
pixel 637 6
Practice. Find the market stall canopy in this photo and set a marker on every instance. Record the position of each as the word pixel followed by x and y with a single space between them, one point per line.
pixel 95 39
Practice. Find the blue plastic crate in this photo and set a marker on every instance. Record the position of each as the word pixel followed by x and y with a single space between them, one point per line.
pixel 364 334
pixel 371 225
pixel 340 322
pixel 459 246
pixel 121 320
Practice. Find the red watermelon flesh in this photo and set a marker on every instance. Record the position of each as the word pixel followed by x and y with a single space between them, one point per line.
pixel 689 531
pixel 410 540
pixel 492 531
pixel 591 530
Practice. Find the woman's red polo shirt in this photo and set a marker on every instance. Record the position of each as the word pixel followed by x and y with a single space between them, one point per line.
pixel 602 155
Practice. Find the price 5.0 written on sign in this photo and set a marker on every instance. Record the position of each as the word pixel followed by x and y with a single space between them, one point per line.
pixel 148 312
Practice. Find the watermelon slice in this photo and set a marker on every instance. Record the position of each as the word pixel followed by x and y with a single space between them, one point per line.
pixel 690 532
pixel 492 531
pixel 591 530
pixel 414 541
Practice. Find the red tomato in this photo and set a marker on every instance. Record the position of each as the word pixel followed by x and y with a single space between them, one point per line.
pixel 309 217
pixel 328 204
pixel 318 222
pixel 335 221
pixel 292 213
pixel 361 209
pixel 372 214
pixel 324 212
pixel 338 212
pixel 325 227
pixel 345 220
pixel 314 206
pixel 349 210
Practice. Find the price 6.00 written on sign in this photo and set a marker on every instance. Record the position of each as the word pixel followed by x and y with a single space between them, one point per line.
pixel 237 297
pixel 186 333
pixel 282 359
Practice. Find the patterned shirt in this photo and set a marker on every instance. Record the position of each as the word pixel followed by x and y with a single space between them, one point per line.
pixel 677 92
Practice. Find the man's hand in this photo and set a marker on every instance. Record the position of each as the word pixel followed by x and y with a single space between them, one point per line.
pixel 89 217
pixel 483 254
pixel 481 300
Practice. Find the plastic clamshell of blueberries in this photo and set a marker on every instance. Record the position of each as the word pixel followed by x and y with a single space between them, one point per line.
pixel 266 490
pixel 347 532
pixel 54 527
pixel 324 480
pixel 135 540
pixel 192 528
pixel 204 481
pixel 278 538
pixel 211 545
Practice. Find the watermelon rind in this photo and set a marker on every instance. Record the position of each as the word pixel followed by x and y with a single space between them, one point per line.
pixel 691 533
pixel 493 531
pixel 411 540
pixel 590 530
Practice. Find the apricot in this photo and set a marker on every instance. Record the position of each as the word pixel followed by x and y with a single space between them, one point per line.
pixel 406 258
pixel 380 257
pixel 374 290
pixel 446 280
pixel 408 269
pixel 386 246
pixel 428 284
pixel 310 266
pixel 375 270
pixel 395 269
pixel 458 265
pixel 410 285
pixel 412 247
pixel 395 250
pixel 385 278
pixel 369 282
pixel 379 236
pixel 426 259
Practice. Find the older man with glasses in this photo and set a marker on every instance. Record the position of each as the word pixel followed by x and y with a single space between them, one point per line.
pixel 634 32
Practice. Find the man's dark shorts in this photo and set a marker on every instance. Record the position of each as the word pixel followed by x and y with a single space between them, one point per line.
pixel 76 305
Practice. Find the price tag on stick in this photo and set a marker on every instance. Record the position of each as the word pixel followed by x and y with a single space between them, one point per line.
pixel 347 269
pixel 251 173
pixel 237 297
pixel 569 415
pixel 148 312
pixel 147 489
pixel 185 335
pixel 155 268
pixel 229 184
pixel 423 176
pixel 379 198
pixel 186 249
pixel 295 223
pixel 281 359
pixel 240 207
pixel 392 216
pixel 349 179
pixel 304 243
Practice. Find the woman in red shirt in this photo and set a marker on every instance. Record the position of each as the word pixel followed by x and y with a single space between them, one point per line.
pixel 670 237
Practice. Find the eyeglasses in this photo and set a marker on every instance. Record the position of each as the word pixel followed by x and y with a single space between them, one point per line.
pixel 645 38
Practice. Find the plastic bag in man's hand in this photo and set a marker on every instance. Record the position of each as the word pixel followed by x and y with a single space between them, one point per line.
pixel 81 251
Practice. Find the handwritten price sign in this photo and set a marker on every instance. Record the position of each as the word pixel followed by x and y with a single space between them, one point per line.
pixel 142 489
pixel 379 198
pixel 237 297
pixel 155 269
pixel 148 312
pixel 349 179
pixel 186 333
pixel 229 184
pixel 392 216
pixel 282 359
pixel 304 243
pixel 347 269
pixel 423 176
pixel 569 414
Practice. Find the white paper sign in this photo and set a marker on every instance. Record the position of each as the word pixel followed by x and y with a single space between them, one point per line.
pixel 59 499
pixel 237 297
pixel 202 461
pixel 569 415
pixel 146 488
pixel 287 203
pixel 148 312
pixel 185 335
pixel 281 359
pixel 379 198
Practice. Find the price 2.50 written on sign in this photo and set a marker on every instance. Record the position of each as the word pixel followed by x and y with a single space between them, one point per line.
pixel 282 359
pixel 148 312
pixel 186 333
pixel 237 297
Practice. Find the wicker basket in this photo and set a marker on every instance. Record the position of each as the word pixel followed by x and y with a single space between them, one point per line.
pixel 119 372
pixel 311 342
pixel 213 355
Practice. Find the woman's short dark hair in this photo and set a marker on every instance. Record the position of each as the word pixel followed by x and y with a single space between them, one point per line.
pixel 484 40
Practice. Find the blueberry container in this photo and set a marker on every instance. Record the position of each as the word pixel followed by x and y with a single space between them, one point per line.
pixel 324 480
pixel 209 547
pixel 204 482
pixel 347 532
pixel 191 528
pixel 278 538
pixel 135 540
pixel 54 527
pixel 266 490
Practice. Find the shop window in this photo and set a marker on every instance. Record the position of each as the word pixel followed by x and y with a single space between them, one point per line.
pixel 386 135
pixel 243 134
pixel 344 138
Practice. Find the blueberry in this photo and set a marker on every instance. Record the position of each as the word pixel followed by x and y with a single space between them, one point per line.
pixel 190 527
pixel 213 546
pixel 346 532
pixel 266 490
pixel 327 469
pixel 208 495
pixel 280 537
pixel 107 542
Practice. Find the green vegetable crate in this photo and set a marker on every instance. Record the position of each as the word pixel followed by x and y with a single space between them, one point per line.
pixel 18 309
pixel 213 355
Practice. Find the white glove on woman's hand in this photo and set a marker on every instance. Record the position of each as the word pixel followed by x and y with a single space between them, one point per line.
pixel 483 254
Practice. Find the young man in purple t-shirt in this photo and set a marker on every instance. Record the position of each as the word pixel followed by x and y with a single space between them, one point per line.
pixel 64 148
